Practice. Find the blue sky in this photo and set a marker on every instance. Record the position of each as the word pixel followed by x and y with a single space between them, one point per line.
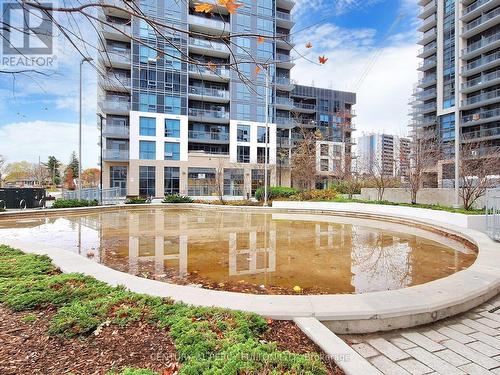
pixel 39 117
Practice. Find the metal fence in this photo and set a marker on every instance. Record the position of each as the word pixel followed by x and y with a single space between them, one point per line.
pixel 493 213
pixel 104 196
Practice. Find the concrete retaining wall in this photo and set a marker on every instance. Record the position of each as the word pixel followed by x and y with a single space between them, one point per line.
pixel 443 196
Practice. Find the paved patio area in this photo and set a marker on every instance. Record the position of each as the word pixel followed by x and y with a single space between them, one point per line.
pixel 466 344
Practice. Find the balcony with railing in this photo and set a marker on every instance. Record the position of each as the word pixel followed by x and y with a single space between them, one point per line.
pixel 209 92
pixel 115 131
pixel 481 46
pixel 482 116
pixel 305 106
pixel 428 36
pixel 284 121
pixel 426 94
pixel 484 80
pixel 427 64
pixel 472 10
pixel 198 135
pixel 482 99
pixel 116 106
pixel 209 24
pixel 428 49
pixel 210 115
pixel 425 107
pixel 116 31
pixel 284 102
pixel 484 62
pixel 481 134
pixel 285 60
pixel 283 16
pixel 116 58
pixel 115 155
pixel 486 20
pixel 428 80
pixel 218 73
pixel 116 82
pixel 205 45
pixel 428 9
pixel 427 23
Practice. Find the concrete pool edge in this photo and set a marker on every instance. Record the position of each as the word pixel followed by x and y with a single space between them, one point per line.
pixel 361 313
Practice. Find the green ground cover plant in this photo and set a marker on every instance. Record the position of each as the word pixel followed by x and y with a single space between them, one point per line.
pixel 207 340
pixel 176 198
pixel 70 203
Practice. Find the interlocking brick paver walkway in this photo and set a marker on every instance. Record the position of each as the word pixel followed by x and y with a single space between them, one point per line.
pixel 465 344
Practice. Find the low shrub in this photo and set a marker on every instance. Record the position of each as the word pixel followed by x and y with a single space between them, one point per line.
pixel 244 202
pixel 136 200
pixel 275 192
pixel 176 198
pixel 316 195
pixel 69 203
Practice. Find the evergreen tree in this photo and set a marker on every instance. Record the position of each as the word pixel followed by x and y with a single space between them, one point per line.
pixel 53 166
pixel 73 164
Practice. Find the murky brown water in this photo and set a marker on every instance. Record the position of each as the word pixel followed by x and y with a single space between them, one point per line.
pixel 252 251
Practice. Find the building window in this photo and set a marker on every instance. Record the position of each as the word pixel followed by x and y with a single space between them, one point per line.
pixel 147 126
pixel 261 134
pixel 147 181
pixel 261 155
pixel 243 153
pixel 147 150
pixel 201 182
pixel 243 133
pixel 171 180
pixel 147 102
pixel 324 165
pixel 258 179
pixel 172 128
pixel 118 179
pixel 324 150
pixel 172 151
pixel 234 182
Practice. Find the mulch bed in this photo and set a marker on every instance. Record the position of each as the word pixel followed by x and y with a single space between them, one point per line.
pixel 289 337
pixel 27 348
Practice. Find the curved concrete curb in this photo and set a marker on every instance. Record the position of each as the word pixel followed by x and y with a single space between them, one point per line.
pixel 360 313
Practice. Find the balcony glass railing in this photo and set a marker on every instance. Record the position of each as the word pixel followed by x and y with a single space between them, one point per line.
pixel 428 7
pixel 117 28
pixel 426 63
pixel 482 61
pixel 482 97
pixel 426 107
pixel 284 120
pixel 208 44
pixel 208 22
pixel 481 133
pixel 284 101
pixel 481 80
pixel 115 154
pixel 481 43
pixel 283 81
pixel 422 95
pixel 428 79
pixel 474 6
pixel 283 58
pixel 208 136
pixel 116 80
pixel 432 18
pixel 116 130
pixel 114 104
pixel 208 113
pixel 304 105
pixel 208 91
pixel 218 71
pixel 481 115
pixel 484 18
pixel 429 33
pixel 122 56
pixel 428 47
pixel 283 16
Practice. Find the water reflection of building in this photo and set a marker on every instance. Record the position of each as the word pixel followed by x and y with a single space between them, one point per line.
pixel 252 256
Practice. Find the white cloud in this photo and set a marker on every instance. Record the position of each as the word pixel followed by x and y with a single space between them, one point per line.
pixel 30 140
pixel 384 92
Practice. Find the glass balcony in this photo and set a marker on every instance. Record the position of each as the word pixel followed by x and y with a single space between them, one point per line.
pixel 474 6
pixel 481 81
pixel 208 136
pixel 284 120
pixel 428 79
pixel 428 36
pixel 306 106
pixel 283 16
pixel 483 115
pixel 115 106
pixel 115 131
pixel 481 43
pixel 427 64
pixel 479 21
pixel 484 133
pixel 115 155
pixel 209 92
pixel 117 82
pixel 428 22
pixel 209 113
pixel 428 48
pixel 426 94
pixel 217 72
pixel 116 57
pixel 284 101
pixel 209 23
pixel 208 44
pixel 120 30
pixel 482 97
pixel 482 61
pixel 428 9
pixel 284 58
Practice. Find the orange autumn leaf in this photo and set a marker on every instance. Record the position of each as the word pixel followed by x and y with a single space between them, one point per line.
pixel 260 39
pixel 322 59
pixel 230 5
pixel 211 66
pixel 203 8
pixel 269 321
pixel 257 69
pixel 309 45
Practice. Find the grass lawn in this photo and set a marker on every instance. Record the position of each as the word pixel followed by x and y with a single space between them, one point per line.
pixel 70 323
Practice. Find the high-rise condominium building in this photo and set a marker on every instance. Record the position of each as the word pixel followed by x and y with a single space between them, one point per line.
pixel 459 78
pixel 171 125
pixel 383 154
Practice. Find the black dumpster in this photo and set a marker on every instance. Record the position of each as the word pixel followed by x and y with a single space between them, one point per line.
pixel 22 197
